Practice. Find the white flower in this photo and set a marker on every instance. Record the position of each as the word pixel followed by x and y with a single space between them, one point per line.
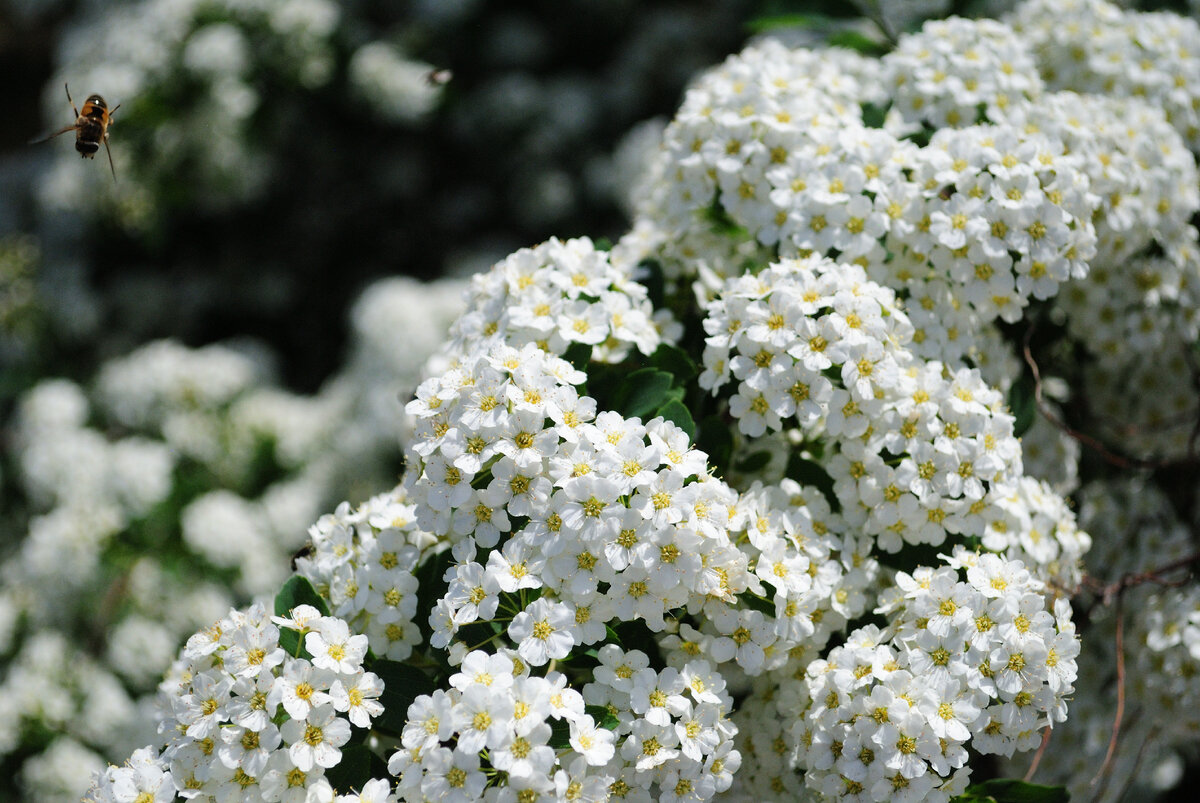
pixel 333 648
pixel 596 745
pixel 316 742
pixel 543 631
pixel 357 696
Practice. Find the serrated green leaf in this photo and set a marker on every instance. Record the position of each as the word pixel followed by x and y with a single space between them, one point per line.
pixel 677 413
pixel 1009 790
pixel 643 392
pixel 298 591
pixel 402 684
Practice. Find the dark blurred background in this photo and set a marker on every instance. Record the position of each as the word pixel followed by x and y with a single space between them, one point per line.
pixel 530 100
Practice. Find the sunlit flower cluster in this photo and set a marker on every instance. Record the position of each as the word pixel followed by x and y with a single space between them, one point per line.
pixel 971 655
pixel 555 295
pixel 818 343
pixel 608 518
pixel 662 733
pixel 970 227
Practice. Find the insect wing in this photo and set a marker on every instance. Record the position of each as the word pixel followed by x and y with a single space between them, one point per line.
pixel 49 137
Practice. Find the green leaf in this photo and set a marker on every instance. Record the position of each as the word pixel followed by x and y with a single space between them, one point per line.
pixel 602 716
pixel 431 585
pixel 676 362
pixel 358 765
pixel 579 355
pixel 853 40
pixel 1022 400
pixel 298 591
pixel 1007 790
pixel 774 22
pixel 677 413
pixel 643 392
pixel 402 684
pixel 636 636
pixel 650 274
pixel 722 222
pixel 873 116
pixel 757 603
pixel 560 734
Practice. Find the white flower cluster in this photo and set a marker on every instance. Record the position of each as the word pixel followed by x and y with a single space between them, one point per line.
pixel 664 734
pixel 956 68
pixel 1097 47
pixel 65 463
pixel 245 720
pixel 1033 523
pixel 362 562
pixel 975 660
pixel 817 342
pixel 744 130
pixel 555 295
pixel 816 573
pixel 610 518
pixel 971 227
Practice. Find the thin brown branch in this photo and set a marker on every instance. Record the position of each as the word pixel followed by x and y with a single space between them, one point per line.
pixel 1121 461
pixel 1107 592
pixel 1037 757
pixel 1116 728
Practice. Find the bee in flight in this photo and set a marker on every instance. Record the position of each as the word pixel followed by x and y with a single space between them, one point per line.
pixel 90 127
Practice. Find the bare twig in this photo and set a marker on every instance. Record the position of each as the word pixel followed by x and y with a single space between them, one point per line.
pixel 1110 591
pixel 1037 757
pixel 1116 729
pixel 1121 461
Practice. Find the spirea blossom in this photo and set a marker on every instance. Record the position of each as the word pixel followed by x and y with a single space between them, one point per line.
pixel 241 717
pixel 660 733
pixel 971 657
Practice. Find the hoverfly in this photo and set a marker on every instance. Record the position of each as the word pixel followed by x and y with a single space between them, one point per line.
pixel 90 127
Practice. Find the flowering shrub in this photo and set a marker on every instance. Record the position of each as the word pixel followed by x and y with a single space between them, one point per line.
pixel 739 509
